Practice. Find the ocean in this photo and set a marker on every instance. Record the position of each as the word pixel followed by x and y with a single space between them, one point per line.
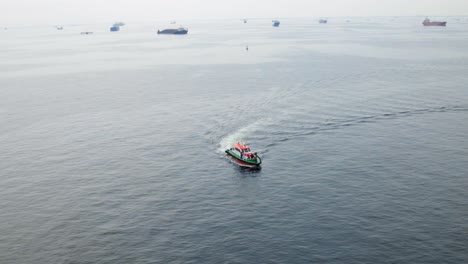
pixel 112 144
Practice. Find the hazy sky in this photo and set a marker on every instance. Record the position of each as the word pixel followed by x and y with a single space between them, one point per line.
pixel 88 11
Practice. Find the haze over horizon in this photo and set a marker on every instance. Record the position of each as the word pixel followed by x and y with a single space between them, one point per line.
pixel 23 12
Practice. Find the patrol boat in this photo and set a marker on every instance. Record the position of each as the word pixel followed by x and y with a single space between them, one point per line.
pixel 243 156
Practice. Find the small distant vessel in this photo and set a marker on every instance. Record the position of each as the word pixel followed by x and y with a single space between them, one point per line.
pixel 173 22
pixel 114 28
pixel 59 28
pixel 427 23
pixel 177 31
pixel 276 23
pixel 86 33
pixel 243 156
pixel 323 21
pixel 245 21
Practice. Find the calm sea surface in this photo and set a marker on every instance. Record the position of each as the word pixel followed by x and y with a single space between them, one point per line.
pixel 112 143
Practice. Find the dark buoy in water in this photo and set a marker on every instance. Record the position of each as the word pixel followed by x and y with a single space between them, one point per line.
pixel 247 48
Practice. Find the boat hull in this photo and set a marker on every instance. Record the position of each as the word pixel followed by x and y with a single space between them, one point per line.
pixel 173 32
pixel 242 162
pixel 434 24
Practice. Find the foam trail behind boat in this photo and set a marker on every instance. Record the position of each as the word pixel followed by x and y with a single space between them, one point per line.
pixel 239 135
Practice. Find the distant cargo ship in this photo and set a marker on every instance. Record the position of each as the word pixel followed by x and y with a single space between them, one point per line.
pixel 178 31
pixel 427 22
pixel 323 21
pixel 276 23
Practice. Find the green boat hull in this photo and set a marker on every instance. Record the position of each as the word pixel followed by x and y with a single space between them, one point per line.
pixel 248 162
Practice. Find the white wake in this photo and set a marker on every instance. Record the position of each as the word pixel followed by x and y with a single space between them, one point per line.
pixel 239 135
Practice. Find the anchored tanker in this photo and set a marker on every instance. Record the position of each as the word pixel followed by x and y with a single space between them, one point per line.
pixel 427 22
pixel 178 31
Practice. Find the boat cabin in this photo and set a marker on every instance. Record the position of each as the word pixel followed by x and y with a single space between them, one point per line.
pixel 241 147
pixel 244 151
